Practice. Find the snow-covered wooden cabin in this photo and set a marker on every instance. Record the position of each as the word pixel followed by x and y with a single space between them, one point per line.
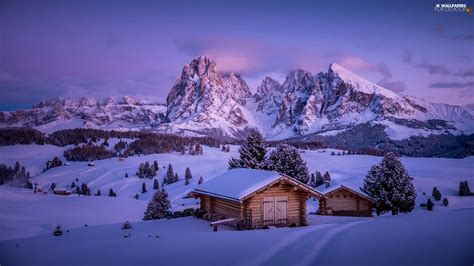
pixel 255 198
pixel 344 200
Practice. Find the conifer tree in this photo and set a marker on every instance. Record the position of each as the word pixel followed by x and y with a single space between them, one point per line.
pixel 176 178
pixel 112 193
pixel 464 189
pixel 158 206
pixel 156 184
pixel 251 154
pixel 327 177
pixel 187 174
pixel 98 192
pixel 390 185
pixel 200 180
pixel 436 194
pixel 429 205
pixel 445 202
pixel 169 175
pixel 144 188
pixel 287 160
pixel 155 164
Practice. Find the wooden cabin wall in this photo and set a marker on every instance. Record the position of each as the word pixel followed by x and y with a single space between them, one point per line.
pixel 253 207
pixel 220 207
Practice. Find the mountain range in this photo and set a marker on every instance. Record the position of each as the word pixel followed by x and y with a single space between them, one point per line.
pixel 205 101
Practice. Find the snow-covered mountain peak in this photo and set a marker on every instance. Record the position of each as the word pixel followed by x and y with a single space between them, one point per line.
pixel 358 82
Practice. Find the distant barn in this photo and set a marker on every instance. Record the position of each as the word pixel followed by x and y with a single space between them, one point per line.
pixel 344 200
pixel 250 198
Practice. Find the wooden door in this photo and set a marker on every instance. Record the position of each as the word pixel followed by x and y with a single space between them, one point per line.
pixel 268 210
pixel 281 206
pixel 275 210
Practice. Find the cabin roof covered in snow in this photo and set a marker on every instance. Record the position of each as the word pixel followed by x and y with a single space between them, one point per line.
pixel 237 184
pixel 334 185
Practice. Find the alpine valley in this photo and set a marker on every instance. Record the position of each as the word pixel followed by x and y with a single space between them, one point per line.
pixel 204 101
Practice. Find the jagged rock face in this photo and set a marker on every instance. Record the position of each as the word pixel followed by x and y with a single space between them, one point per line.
pixel 337 99
pixel 205 96
pixel 269 95
pixel 237 87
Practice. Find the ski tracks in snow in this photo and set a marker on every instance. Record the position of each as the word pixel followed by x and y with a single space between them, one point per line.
pixel 315 238
pixel 321 242
pixel 282 245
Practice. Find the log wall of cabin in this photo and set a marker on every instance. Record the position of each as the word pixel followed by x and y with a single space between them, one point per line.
pixel 220 208
pixel 296 209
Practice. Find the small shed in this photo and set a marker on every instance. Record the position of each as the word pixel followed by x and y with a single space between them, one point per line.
pixel 344 200
pixel 255 198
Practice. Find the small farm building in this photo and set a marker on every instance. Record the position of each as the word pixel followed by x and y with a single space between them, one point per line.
pixel 254 199
pixel 344 200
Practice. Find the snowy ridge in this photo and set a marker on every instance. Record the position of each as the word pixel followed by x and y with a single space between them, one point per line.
pixel 360 83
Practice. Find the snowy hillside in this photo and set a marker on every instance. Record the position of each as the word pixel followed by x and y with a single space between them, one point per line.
pixel 204 101
pixel 27 220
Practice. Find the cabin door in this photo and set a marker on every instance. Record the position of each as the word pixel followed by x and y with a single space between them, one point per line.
pixel 281 205
pixel 275 210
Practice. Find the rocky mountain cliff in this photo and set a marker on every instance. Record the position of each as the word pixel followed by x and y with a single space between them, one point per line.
pixel 205 101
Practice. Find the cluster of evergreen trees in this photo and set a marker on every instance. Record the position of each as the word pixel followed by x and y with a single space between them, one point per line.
pixel 436 194
pixel 88 153
pixel 17 175
pixel 317 179
pixel 83 189
pixel 464 189
pixel 225 148
pixel 284 159
pixel 55 162
pixel 165 143
pixel 22 135
pixel 147 170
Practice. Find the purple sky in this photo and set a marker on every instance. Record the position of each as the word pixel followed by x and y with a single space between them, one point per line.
pixel 112 48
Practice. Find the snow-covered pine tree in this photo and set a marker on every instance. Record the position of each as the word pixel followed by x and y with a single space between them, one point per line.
pixel 319 179
pixel 169 178
pixel 390 185
pixel 187 173
pixel 144 188
pixel 155 164
pixel 436 194
pixel 156 184
pixel 158 206
pixel 98 192
pixel 200 180
pixel 251 154
pixel 287 160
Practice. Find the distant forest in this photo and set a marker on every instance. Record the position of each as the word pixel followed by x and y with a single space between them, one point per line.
pixel 361 139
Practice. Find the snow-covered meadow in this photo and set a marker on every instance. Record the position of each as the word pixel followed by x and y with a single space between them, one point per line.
pixel 441 237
